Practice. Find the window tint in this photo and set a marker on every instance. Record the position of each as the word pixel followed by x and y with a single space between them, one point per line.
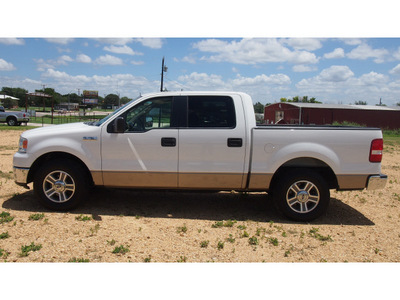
pixel 150 114
pixel 211 112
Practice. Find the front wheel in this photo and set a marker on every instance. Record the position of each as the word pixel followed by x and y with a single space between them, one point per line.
pixel 60 185
pixel 301 195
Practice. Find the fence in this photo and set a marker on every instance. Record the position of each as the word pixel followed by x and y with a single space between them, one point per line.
pixel 57 119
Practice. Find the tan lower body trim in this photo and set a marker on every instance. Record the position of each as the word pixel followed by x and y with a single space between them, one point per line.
pixel 352 182
pixel 140 179
pixel 210 180
pixel 260 181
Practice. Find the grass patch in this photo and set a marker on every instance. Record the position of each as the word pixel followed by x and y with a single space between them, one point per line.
pixel 36 217
pixel 28 248
pixel 83 218
pixel 4 235
pixel 220 245
pixel 4 127
pixel 79 260
pixel 120 250
pixel 6 175
pixel 4 253
pixel 5 217
pixel 253 241
pixel 314 233
pixel 182 229
pixel 204 244
pixel 228 223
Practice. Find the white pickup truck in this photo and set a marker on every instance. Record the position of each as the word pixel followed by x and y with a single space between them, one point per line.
pixel 199 141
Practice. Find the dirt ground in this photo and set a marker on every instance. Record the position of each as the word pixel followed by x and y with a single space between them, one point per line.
pixel 142 226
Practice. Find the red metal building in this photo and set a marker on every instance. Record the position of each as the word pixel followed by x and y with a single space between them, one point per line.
pixel 325 114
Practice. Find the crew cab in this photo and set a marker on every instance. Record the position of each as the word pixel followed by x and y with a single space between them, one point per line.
pixel 13 118
pixel 199 141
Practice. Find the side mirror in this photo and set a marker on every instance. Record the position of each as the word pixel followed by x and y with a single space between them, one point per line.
pixel 119 125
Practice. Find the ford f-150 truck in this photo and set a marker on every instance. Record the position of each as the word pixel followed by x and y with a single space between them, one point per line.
pixel 13 118
pixel 199 141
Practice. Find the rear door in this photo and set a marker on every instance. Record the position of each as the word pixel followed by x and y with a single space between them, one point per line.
pixel 146 154
pixel 212 144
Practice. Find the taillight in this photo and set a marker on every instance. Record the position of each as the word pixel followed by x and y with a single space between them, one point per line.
pixel 375 154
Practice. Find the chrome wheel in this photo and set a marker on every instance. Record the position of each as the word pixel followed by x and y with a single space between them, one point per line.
pixel 302 196
pixel 59 186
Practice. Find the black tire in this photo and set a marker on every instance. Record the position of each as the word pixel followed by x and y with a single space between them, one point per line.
pixel 301 195
pixel 11 121
pixel 61 185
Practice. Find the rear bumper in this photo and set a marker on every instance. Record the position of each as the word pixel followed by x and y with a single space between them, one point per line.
pixel 376 182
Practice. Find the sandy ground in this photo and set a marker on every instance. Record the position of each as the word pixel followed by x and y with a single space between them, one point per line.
pixel 157 226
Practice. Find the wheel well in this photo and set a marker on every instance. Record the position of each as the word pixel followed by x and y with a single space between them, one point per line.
pixel 11 117
pixel 56 156
pixel 308 163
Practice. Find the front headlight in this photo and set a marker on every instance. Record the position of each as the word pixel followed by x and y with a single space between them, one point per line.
pixel 23 145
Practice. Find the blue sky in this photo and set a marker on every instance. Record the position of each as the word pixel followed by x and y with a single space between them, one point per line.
pixel 343 67
pixel 332 70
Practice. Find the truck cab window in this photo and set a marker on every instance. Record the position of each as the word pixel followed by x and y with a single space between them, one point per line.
pixel 211 112
pixel 150 114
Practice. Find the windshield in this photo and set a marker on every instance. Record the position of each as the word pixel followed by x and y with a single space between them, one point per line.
pixel 98 123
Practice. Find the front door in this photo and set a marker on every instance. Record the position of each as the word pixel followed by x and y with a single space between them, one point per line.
pixel 146 154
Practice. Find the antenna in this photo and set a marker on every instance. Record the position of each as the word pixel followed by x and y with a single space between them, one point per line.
pixel 163 69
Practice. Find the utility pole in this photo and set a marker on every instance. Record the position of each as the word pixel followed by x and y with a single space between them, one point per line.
pixel 163 69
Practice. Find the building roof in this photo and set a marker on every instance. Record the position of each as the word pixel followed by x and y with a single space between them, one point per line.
pixel 341 106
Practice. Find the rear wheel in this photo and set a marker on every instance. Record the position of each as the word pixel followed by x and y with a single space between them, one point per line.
pixel 61 185
pixel 301 195
pixel 11 121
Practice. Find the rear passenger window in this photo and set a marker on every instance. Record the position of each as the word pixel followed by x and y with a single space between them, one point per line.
pixel 211 112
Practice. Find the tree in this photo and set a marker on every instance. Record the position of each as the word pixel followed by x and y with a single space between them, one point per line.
pixel 303 99
pixel 259 108
pixel 111 99
pixel 16 92
pixel 360 103
pixel 125 100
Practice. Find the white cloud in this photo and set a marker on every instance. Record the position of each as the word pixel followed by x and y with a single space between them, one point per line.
pixel 189 59
pixel 61 41
pixel 336 74
pixel 6 66
pixel 121 50
pixel 154 43
pixel 303 68
pixel 12 41
pixel 115 41
pixel 108 60
pixel 274 79
pixel 352 42
pixel 304 43
pixel 337 53
pixel 83 58
pixel 395 70
pixel 137 63
pixel 396 54
pixel 253 51
pixel 364 51
pixel 63 60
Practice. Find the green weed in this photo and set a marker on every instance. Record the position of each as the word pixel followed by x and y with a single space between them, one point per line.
pixel 4 235
pixel 253 241
pixel 182 229
pixel 314 233
pixel 274 241
pixel 220 245
pixel 228 223
pixel 120 250
pixel 28 248
pixel 204 244
pixel 79 260
pixel 5 217
pixel 83 218
pixel 36 217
